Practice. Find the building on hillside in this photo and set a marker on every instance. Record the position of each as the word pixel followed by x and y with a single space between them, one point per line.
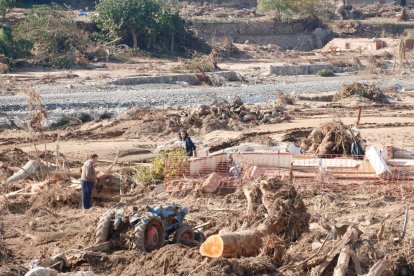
pixel 373 45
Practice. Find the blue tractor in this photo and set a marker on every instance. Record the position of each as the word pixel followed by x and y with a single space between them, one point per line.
pixel 151 229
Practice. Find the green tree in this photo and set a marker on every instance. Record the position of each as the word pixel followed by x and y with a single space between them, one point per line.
pixel 5 5
pixel 170 26
pixel 135 17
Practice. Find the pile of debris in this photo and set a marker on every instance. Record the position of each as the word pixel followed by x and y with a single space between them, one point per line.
pixel 368 91
pixel 283 213
pixel 373 242
pixel 329 138
pixel 206 118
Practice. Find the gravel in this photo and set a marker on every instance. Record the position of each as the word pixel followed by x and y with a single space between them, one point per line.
pixel 61 99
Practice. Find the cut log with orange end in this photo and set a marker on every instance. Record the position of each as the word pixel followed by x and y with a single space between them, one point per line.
pixel 233 245
pixel 212 247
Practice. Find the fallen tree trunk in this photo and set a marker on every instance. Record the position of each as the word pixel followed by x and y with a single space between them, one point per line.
pixel 351 235
pixel 28 169
pixel 343 261
pixel 245 243
pixel 379 267
pixel 283 209
pixel 32 167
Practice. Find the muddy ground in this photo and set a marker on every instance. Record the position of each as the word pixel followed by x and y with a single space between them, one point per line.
pixel 33 232
pixel 41 216
pixel 36 227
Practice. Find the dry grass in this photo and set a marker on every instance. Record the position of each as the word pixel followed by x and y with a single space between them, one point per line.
pixel 199 63
pixel 284 99
pixel 37 112
pixel 225 47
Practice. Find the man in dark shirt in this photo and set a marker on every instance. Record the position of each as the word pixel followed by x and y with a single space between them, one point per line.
pixel 188 144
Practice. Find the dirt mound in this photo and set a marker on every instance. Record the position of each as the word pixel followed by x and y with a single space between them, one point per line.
pixel 329 138
pixel 369 91
pixel 248 266
pixel 175 259
pixel 172 259
pixel 14 157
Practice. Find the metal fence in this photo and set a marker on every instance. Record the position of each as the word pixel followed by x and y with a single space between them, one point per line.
pixel 306 172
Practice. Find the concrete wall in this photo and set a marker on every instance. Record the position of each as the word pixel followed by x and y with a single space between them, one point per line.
pixel 301 69
pixel 174 78
pixel 296 35
pixel 269 160
pixel 228 3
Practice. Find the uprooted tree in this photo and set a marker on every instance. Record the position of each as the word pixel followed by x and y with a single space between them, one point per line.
pixel 274 208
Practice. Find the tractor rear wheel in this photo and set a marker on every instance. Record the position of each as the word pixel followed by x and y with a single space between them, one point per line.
pixel 149 233
pixel 184 234
pixel 104 226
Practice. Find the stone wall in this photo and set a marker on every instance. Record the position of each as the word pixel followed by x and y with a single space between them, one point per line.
pixel 296 35
pixel 228 3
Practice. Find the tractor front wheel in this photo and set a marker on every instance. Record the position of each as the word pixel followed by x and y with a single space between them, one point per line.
pixel 184 234
pixel 149 233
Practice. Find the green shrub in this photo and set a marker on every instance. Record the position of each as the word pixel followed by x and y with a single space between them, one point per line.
pixel 55 36
pixel 155 171
pixel 325 73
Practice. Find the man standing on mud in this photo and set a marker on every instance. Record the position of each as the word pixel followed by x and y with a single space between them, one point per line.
pixel 88 179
